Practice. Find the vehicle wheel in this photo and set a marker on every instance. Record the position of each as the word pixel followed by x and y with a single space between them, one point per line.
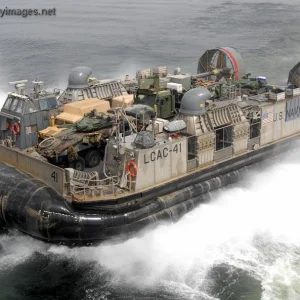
pixel 92 158
pixel 79 164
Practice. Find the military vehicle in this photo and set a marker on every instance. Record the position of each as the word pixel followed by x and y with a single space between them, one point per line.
pixel 76 137
pixel 221 70
pixel 81 143
pixel 158 172
pixel 25 119
pixel 157 88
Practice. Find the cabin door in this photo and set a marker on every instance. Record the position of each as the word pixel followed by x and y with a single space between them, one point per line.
pixel 223 142
pixel 254 130
pixel 192 162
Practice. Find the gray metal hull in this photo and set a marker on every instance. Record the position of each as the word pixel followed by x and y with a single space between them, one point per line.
pixel 30 206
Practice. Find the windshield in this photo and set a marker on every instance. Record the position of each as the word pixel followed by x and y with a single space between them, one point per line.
pixel 146 99
pixel 7 103
pixel 30 107
pixel 14 104
pixel 49 103
pixel 19 107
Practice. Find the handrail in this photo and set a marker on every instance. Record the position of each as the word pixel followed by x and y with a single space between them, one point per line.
pixel 131 182
pixel 87 186
pixel 99 182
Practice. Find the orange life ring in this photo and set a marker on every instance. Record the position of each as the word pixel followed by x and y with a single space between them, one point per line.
pixel 15 128
pixel 133 172
pixel 7 125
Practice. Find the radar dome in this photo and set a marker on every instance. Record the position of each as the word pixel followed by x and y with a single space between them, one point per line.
pixel 78 77
pixel 193 101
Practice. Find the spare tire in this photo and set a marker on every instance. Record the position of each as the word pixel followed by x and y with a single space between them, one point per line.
pixel 47 143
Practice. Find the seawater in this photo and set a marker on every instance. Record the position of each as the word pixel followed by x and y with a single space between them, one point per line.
pixel 242 245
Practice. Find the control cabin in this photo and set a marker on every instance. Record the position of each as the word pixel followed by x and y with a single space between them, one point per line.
pixel 23 116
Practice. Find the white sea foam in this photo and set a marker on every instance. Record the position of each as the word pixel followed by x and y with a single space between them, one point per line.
pixel 16 249
pixel 127 67
pixel 254 228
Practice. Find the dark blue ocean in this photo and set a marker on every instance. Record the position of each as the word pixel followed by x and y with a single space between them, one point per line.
pixel 245 244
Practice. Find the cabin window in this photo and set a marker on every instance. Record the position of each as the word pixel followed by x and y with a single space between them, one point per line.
pixel 48 103
pixel 30 107
pixel 43 104
pixel 223 138
pixel 52 103
pixel 20 106
pixel 14 104
pixel 8 103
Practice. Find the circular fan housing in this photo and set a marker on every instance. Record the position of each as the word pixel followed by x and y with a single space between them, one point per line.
pixel 294 75
pixel 228 59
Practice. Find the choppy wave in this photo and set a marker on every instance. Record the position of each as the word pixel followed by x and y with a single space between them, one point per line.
pixel 243 245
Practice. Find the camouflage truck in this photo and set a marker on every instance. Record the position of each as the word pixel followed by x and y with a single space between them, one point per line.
pixel 161 91
pixel 82 145
pixel 77 135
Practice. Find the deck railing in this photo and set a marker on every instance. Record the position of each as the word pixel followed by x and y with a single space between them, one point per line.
pixel 88 189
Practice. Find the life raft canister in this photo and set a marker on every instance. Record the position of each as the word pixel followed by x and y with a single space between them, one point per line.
pixel 15 128
pixel 132 172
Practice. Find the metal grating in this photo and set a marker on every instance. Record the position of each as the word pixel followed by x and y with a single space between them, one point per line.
pixel 105 90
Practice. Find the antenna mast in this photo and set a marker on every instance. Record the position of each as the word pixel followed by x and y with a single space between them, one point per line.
pixel 20 86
